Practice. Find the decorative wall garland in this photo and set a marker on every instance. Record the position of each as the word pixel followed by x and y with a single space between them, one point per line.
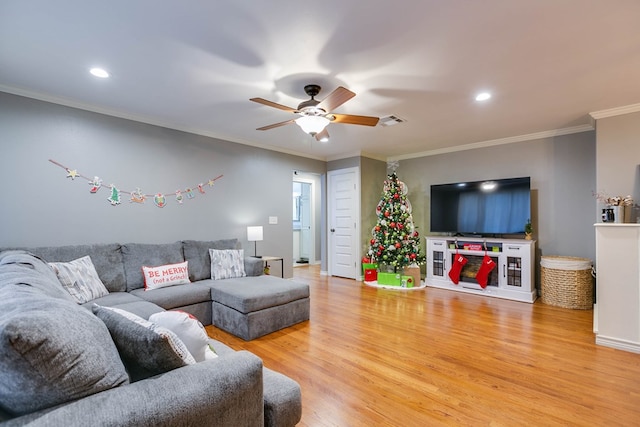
pixel 137 196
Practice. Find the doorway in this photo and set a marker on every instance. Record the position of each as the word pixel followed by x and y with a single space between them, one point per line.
pixel 304 228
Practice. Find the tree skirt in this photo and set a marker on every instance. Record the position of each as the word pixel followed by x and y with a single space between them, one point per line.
pixel 395 288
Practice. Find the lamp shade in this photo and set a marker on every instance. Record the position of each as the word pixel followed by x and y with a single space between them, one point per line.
pixel 254 233
pixel 312 124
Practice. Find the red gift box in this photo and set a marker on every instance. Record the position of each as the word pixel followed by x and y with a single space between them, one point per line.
pixel 370 275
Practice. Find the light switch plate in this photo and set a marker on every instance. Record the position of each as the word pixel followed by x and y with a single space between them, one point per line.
pixel 273 220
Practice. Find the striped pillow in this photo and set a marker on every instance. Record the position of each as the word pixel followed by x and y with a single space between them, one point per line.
pixel 227 263
pixel 80 279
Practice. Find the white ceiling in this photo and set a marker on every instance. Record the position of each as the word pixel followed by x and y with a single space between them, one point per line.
pixel 193 65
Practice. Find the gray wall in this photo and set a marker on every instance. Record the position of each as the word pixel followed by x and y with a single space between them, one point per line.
pixel 562 171
pixel 43 207
pixel 372 176
pixel 618 156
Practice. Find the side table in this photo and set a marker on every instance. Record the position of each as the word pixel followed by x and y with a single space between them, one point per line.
pixel 267 258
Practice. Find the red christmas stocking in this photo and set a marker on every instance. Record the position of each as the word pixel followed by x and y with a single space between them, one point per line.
pixel 483 272
pixel 458 262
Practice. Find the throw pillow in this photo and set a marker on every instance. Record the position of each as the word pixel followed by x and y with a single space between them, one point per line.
pixel 146 349
pixel 189 330
pixel 80 279
pixel 165 275
pixel 227 263
pixel 52 351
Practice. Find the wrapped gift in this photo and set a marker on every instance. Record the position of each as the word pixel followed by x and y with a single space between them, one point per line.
pixel 370 275
pixel 407 282
pixel 414 272
pixel 369 266
pixel 392 279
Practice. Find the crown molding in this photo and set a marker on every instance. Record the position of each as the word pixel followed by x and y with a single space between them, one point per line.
pixel 501 141
pixel 618 111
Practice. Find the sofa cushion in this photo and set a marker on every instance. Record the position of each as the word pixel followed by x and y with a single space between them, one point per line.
pixel 176 296
pixel 227 263
pixel 249 294
pixel 165 275
pixel 114 299
pixel 189 330
pixel 126 301
pixel 145 348
pixel 135 255
pixel 80 279
pixel 107 259
pixel 52 351
pixel 23 269
pixel 197 253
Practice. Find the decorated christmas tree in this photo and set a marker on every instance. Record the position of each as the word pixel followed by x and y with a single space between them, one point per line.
pixel 395 241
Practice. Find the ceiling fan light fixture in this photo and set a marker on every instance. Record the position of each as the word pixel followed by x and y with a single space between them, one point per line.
pixel 312 124
pixel 483 96
pixel 99 72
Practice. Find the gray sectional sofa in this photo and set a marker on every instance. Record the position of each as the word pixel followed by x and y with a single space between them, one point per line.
pixel 233 389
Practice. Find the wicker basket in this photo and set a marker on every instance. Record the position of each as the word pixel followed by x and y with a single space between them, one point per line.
pixel 566 282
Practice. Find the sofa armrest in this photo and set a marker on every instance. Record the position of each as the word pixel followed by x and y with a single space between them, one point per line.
pixel 227 390
pixel 253 266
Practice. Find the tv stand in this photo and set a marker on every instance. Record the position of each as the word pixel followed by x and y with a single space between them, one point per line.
pixel 512 278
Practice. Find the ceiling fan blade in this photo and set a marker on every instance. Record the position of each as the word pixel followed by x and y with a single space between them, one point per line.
pixel 322 136
pixel 336 99
pixel 275 125
pixel 273 104
pixel 354 120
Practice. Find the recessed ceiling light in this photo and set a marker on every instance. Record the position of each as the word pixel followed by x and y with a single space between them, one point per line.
pixel 483 96
pixel 99 72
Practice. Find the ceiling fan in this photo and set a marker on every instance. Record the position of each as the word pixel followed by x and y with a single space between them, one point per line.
pixel 315 115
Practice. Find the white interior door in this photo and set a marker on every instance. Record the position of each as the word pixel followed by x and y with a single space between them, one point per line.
pixel 343 205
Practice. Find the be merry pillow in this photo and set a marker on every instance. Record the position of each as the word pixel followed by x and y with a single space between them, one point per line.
pixel 165 275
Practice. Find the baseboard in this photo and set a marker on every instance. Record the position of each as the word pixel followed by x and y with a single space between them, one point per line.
pixel 618 344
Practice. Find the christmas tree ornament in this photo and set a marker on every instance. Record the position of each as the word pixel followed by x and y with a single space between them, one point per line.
pixel 72 173
pixel 95 184
pixel 137 196
pixel 190 193
pixel 179 197
pixel 159 200
pixel 114 198
pixel 201 188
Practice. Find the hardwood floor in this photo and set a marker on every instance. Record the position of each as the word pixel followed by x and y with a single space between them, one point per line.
pixel 375 357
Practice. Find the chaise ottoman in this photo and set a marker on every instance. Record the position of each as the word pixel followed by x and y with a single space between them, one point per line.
pixel 250 309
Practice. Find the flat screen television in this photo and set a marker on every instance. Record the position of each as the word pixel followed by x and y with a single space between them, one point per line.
pixel 489 207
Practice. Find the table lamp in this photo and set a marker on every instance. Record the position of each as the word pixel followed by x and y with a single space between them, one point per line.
pixel 254 234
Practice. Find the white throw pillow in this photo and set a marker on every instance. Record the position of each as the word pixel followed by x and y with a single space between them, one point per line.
pixel 189 330
pixel 150 337
pixel 227 263
pixel 80 278
pixel 165 275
